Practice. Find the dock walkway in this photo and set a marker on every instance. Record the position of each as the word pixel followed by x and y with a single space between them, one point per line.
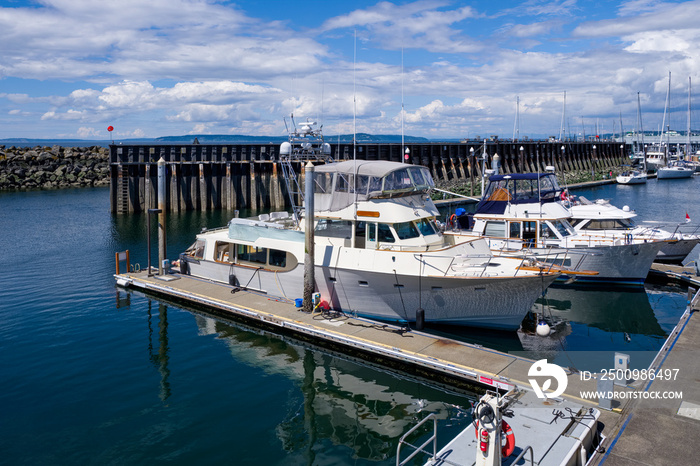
pixel 663 431
pixel 443 361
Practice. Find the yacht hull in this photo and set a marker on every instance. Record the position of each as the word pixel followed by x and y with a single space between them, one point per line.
pixel 676 250
pixel 673 173
pixel 487 302
pixel 622 264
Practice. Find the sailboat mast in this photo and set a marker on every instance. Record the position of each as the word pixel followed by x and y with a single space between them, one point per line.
pixel 663 122
pixel 516 124
pixel 354 136
pixel 402 133
pixel 687 144
pixel 563 113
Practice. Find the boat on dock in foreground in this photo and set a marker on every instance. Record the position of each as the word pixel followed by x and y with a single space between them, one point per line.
pixel 517 428
pixel 378 252
pixel 524 214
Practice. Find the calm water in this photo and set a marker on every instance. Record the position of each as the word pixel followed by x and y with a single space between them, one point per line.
pixel 95 375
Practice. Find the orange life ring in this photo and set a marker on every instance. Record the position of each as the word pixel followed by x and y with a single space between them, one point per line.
pixel 452 221
pixel 509 447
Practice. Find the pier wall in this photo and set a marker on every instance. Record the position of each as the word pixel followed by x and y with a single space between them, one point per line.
pixel 248 176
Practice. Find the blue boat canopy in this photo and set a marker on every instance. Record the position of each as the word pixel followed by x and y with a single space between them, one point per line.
pixel 518 188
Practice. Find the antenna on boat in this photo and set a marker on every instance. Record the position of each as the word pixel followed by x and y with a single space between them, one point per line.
pixel 563 112
pixel 516 123
pixel 666 106
pixel 687 145
pixel 353 234
pixel 640 128
pixel 402 133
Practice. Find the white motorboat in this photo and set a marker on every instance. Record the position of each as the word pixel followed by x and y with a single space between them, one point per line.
pixel 656 157
pixel 632 177
pixel 524 214
pixel 675 169
pixel 517 428
pixel 600 218
pixel 378 253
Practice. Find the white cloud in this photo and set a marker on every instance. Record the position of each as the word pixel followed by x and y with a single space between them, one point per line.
pixel 421 25
pixel 89 133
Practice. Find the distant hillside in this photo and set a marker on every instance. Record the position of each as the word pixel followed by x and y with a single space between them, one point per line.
pixel 206 139
pixel 240 138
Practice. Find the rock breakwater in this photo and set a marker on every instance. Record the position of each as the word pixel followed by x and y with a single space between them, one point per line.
pixel 54 167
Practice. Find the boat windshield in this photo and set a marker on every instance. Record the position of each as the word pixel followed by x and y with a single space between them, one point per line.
pixel 563 227
pixel 339 185
pixel 522 188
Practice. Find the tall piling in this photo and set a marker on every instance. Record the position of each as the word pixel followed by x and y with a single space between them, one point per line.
pixel 161 215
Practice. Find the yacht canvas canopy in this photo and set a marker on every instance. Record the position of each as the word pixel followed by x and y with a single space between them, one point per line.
pixel 518 188
pixel 339 185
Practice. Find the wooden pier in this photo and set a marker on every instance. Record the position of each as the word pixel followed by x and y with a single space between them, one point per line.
pixel 248 176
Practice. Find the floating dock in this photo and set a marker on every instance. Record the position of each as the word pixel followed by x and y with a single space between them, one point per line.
pixel 631 426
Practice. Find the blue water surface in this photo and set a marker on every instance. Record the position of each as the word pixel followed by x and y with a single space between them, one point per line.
pixel 90 374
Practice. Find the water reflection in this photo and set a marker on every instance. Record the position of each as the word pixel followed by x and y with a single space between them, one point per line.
pixel 616 310
pixel 160 358
pixel 339 400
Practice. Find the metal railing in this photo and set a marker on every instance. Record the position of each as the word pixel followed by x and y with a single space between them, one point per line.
pixel 418 449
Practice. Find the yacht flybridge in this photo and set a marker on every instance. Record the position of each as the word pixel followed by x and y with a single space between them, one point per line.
pixel 524 214
pixel 378 253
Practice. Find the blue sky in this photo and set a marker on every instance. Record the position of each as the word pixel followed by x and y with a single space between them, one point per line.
pixel 71 68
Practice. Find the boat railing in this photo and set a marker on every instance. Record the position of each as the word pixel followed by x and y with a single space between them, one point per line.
pixel 475 261
pixel 421 448
pixel 522 454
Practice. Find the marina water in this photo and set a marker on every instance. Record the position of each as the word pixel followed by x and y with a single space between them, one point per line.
pixel 91 374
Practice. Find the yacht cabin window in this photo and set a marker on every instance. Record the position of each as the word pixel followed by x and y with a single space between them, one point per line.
pixel 406 230
pixel 329 228
pixel 241 253
pixel 425 226
pixel 546 231
pixel 384 233
pixel 515 230
pixel 495 229
pixel 612 224
pixel 253 254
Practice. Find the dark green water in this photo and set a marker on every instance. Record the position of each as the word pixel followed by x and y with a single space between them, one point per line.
pixel 90 374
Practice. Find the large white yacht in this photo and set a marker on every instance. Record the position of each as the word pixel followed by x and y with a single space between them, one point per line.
pixel 523 214
pixel 378 252
pixel 600 218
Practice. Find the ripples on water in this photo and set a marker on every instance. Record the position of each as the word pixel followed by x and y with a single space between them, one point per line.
pixel 96 375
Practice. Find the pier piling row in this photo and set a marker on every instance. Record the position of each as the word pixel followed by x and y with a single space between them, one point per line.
pixel 248 176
